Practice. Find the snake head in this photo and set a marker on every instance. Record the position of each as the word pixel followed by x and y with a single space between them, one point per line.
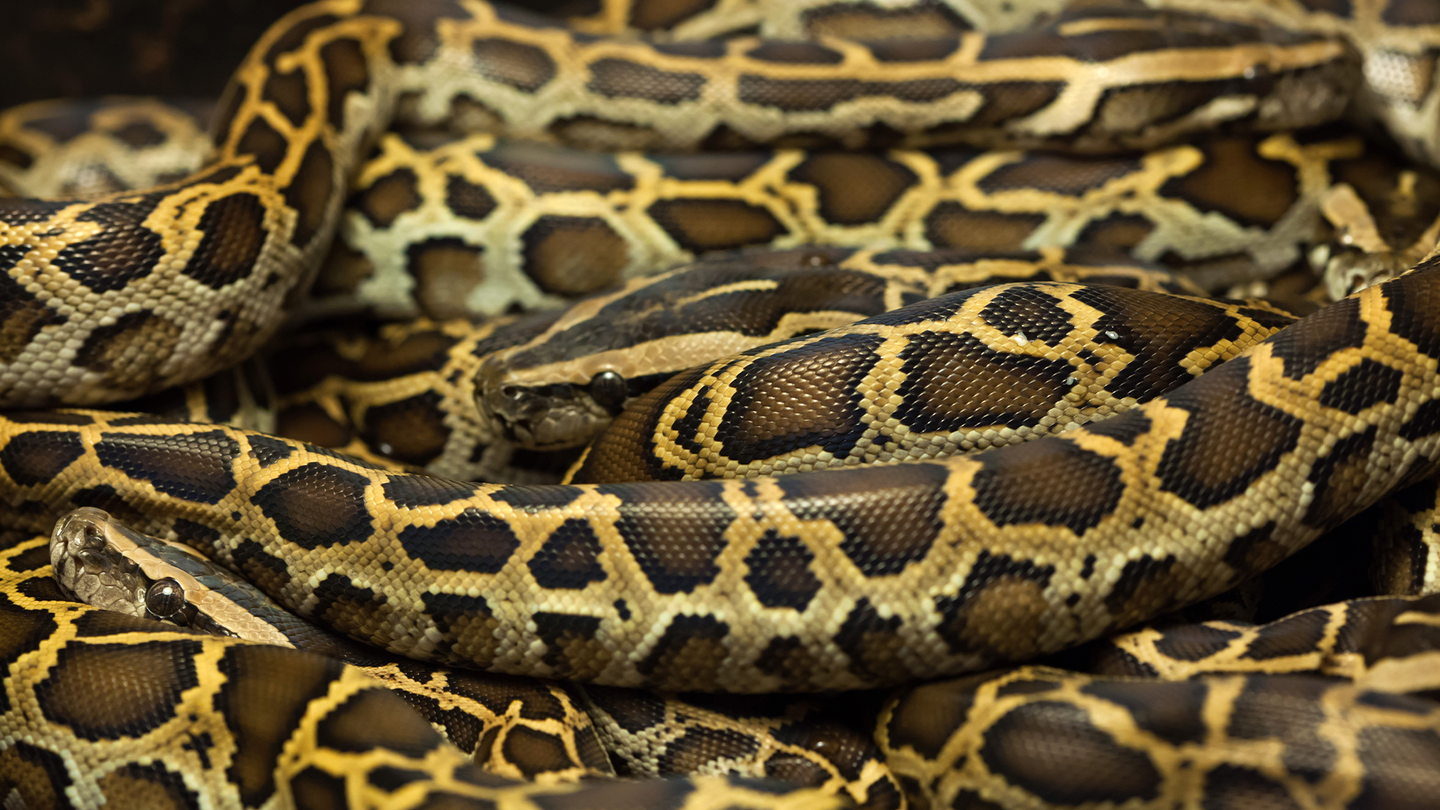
pixel 88 568
pixel 545 415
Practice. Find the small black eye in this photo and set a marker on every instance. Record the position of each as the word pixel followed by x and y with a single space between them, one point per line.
pixel 165 598
pixel 608 390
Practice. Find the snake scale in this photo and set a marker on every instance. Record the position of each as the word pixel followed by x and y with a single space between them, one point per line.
pixel 826 580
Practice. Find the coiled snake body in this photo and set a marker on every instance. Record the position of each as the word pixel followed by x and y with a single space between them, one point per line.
pixel 826 580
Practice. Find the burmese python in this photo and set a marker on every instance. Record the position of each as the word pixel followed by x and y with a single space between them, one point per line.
pixel 1333 422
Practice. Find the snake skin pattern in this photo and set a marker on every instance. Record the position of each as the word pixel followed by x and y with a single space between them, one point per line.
pixel 895 531
pixel 967 371
pixel 826 580
pixel 479 225
pixel 102 563
pixel 1205 731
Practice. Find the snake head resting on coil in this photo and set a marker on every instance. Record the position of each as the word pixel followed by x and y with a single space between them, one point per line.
pixel 107 565
pixel 1381 230
pixel 563 387
pixel 549 415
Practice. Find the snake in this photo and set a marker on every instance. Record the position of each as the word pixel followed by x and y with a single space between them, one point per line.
pixel 1384 645
pixel 480 225
pixel 1016 551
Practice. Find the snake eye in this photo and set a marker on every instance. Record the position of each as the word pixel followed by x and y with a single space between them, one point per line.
pixel 608 389
pixel 165 598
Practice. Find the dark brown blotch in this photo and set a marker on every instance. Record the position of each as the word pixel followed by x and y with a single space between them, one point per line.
pixel 926 717
pixel 1147 586
pixel 1052 482
pixel 688 656
pixel 794 52
pixel 1311 341
pixel 126 352
pixel 317 505
pixel 143 684
pixel 1271 185
pixel 814 95
pixel 535 752
pixel 1194 642
pixel 570 557
pixel 1174 712
pixel 195 467
pixel 474 541
pixel 151 786
pixel 309 193
pixel 21 632
pixel 38 778
pixel 414 491
pixel 620 78
pixel 1091 767
pixel 22 315
pixel 314 788
pixel 1254 551
pixel 889 517
pixel 546 169
pixel 462 197
pixel 797 399
pixel 952 225
pixel 1206 464
pixel 701 745
pixel 446 269
pixel 1340 477
pixel 1399 764
pixel 346 71
pixel 1296 634
pixel 873 644
pixel 388 197
pixel 232 236
pixel 122 251
pixel 37 457
pixel 1058 174
pixel 574 649
pixel 411 430
pixel 262 142
pixel 573 255
pixel 310 423
pixel 674 535
pixel 702 225
pixel 376 719
pixel 779 572
pixel 515 64
pixel 1029 311
pixel 1367 383
pixel 1305 752
pixel 1000 609
pixel 854 188
pixel 1006 101
pixel 634 710
pixel 290 93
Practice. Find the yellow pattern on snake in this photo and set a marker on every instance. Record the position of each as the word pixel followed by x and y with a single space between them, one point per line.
pixel 825 580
